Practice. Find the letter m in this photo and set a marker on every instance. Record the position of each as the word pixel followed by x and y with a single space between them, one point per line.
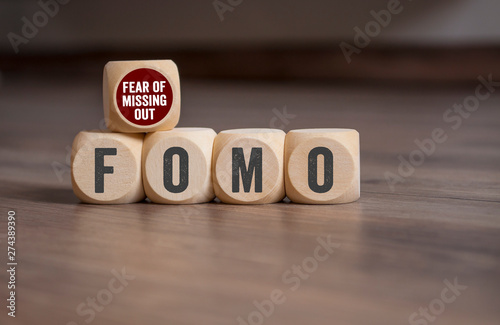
pixel 127 100
pixel 254 166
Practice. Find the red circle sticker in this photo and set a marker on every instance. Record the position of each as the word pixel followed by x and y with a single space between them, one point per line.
pixel 144 96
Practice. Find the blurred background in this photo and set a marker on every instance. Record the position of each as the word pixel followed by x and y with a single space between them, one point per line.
pixel 390 69
pixel 451 40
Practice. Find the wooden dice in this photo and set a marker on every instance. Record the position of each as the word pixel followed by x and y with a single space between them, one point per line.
pixel 322 166
pixel 177 166
pixel 106 167
pixel 193 165
pixel 248 166
pixel 141 96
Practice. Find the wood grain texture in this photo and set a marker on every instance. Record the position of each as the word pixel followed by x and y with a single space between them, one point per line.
pixel 208 263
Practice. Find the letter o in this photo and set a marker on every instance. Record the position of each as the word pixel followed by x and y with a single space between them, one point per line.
pixel 416 154
pixel 475 103
pixel 255 314
pixel 440 307
pixel 168 169
pixel 43 16
pixel 313 169
pixel 368 30
pixel 137 114
pixel 156 86
pixel 102 300
pixel 313 264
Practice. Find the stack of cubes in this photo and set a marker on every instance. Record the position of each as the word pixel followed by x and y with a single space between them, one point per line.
pixel 144 155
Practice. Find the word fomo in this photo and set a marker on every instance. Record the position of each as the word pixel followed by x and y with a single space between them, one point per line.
pixel 194 165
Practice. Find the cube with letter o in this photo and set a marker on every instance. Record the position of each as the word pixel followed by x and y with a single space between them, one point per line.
pixel 322 166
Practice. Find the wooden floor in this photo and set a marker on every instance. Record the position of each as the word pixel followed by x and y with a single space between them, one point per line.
pixel 208 264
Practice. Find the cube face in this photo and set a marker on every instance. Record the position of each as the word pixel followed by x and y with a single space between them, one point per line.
pixel 177 166
pixel 141 96
pixel 248 166
pixel 106 167
pixel 322 166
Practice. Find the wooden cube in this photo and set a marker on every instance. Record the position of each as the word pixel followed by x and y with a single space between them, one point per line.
pixel 177 166
pixel 248 166
pixel 106 167
pixel 322 166
pixel 141 96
